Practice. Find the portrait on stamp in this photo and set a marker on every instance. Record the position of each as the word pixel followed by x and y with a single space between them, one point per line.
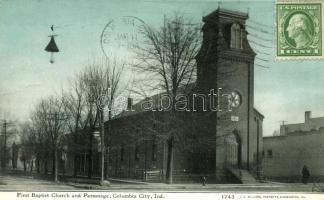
pixel 300 30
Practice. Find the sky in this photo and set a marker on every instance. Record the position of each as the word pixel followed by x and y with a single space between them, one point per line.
pixel 283 90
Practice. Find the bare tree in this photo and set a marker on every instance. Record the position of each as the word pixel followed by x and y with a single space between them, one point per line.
pixel 101 82
pixel 28 145
pixel 50 118
pixel 167 58
pixel 36 129
pixel 80 107
pixel 75 106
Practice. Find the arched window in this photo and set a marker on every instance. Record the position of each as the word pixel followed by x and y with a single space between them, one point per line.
pixel 236 37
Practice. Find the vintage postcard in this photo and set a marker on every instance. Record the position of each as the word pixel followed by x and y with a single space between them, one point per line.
pixel 161 99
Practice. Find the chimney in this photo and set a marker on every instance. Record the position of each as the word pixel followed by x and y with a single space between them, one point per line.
pixel 129 104
pixel 308 115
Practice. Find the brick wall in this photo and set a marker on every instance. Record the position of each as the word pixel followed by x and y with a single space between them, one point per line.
pixel 285 156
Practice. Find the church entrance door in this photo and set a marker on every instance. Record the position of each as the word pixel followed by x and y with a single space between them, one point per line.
pixel 239 148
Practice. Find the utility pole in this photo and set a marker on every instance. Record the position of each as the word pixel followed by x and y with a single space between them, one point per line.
pixel 4 160
pixel 283 122
pixel 103 150
pixel 5 137
pixel 102 103
pixel 145 162
pixel 5 143
pixel 283 131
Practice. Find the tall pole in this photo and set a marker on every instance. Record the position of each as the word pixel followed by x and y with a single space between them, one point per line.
pixel 258 149
pixel 5 143
pixel 102 146
pixel 103 150
pixel 4 161
pixel 107 147
pixel 5 137
pixel 55 148
pixel 145 162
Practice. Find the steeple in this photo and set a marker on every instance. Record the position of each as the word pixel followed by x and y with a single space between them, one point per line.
pixel 224 31
pixel 224 39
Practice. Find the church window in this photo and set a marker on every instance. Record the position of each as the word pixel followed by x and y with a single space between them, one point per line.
pixel 236 37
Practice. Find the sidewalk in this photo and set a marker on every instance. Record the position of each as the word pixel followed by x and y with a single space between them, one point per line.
pixel 84 183
pixel 131 185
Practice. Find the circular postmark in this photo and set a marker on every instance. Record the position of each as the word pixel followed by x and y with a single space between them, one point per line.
pixel 120 36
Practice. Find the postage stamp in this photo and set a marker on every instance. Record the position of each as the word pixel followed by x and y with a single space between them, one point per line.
pixel 299 29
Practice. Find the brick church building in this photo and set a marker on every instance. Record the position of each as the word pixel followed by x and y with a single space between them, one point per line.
pixel 224 146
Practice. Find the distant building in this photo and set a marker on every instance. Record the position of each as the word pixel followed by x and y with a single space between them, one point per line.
pixel 297 145
pixel 309 124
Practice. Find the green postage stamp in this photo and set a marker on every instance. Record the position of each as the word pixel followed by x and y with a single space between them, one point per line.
pixel 299 29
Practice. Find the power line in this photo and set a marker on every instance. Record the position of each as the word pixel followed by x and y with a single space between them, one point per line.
pixel 259 29
pixel 256 64
pixel 261 45
pixel 260 24
pixel 258 37
pixel 260 52
pixel 262 59
pixel 283 122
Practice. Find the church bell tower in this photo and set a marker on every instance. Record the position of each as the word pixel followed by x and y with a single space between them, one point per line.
pixel 226 61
